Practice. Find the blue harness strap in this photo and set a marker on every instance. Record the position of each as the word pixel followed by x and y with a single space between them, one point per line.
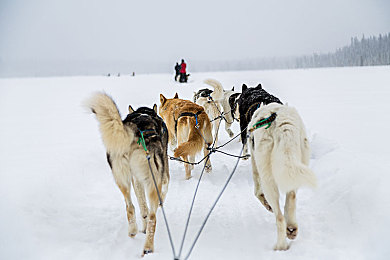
pixel 189 114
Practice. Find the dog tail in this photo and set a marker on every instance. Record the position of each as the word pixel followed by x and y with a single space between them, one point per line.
pixel 115 137
pixel 289 171
pixel 193 145
pixel 218 89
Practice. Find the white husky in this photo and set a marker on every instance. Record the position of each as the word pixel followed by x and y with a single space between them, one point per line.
pixel 222 97
pixel 280 155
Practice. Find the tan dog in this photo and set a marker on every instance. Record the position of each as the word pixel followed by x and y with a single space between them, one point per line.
pixel 189 129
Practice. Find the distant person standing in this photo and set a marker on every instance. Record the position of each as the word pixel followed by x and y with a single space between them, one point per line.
pixel 183 73
pixel 177 70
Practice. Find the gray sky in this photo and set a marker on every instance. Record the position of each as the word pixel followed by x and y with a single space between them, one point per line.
pixel 162 31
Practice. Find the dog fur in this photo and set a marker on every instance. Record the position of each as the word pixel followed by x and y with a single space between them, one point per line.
pixel 227 99
pixel 280 157
pixel 248 102
pixel 183 133
pixel 128 162
pixel 204 98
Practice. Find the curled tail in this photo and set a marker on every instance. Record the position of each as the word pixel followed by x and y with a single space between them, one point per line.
pixel 115 137
pixel 218 89
pixel 288 168
pixel 195 141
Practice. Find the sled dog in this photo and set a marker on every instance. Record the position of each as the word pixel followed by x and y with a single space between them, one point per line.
pixel 212 108
pixel 248 102
pixel 182 79
pixel 125 141
pixel 225 98
pixel 189 129
pixel 280 156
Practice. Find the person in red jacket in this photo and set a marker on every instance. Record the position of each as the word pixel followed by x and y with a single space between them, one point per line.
pixel 183 73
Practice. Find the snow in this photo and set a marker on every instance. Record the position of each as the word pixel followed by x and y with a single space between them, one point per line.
pixel 59 201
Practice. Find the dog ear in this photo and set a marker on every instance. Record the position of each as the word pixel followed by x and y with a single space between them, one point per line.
pixel 176 95
pixel 155 108
pixel 244 87
pixel 259 86
pixel 131 110
pixel 233 88
pixel 162 99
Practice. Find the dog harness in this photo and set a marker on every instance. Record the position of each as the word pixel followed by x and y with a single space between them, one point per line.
pixel 144 133
pixel 141 140
pixel 264 122
pixel 257 105
pixel 188 114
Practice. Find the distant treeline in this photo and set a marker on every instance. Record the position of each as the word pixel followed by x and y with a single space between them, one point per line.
pixel 371 51
pixel 365 52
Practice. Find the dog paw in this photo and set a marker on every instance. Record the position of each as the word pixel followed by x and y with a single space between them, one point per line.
pixel 231 134
pixel 132 234
pixel 291 231
pixel 144 224
pixel 208 168
pixel 281 246
pixel 246 156
pixel 188 177
pixel 147 251
pixel 265 202
pixel 133 230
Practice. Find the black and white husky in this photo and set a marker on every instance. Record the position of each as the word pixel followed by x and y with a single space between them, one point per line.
pixel 248 102
pixel 127 143
pixel 280 156
pixel 225 99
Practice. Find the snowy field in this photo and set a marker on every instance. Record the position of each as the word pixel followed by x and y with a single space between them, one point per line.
pixel 58 199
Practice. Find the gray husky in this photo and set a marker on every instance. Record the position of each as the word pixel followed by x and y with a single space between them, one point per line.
pixel 127 143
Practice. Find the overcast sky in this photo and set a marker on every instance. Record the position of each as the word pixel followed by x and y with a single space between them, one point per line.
pixel 195 29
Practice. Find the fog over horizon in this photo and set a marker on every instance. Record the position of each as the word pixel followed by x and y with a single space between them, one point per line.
pixel 43 37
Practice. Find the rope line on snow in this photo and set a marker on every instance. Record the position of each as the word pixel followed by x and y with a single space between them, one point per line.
pixel 196 191
pixel 207 158
pixel 214 204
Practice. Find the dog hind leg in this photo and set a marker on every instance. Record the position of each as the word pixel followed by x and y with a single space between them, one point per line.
pixel 122 175
pixel 143 206
pixel 215 129
pixel 258 190
pixel 208 142
pixel 151 225
pixel 271 192
pixel 289 213
pixel 263 155
pixel 228 120
pixel 172 140
pixel 192 159
pixel 182 137
pixel 133 229
pixel 228 130
pixel 188 167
